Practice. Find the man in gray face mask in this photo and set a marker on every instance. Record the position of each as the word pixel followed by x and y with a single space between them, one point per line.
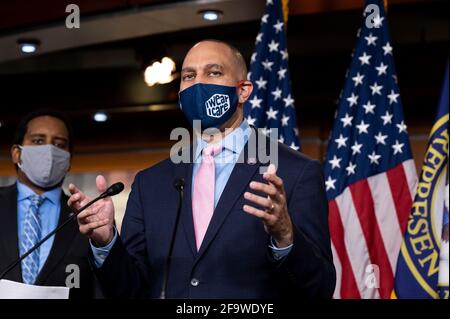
pixel 35 205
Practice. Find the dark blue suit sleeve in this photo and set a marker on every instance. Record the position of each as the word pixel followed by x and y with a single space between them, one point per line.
pixel 308 270
pixel 125 272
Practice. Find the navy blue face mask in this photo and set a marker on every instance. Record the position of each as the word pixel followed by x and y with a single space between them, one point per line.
pixel 212 104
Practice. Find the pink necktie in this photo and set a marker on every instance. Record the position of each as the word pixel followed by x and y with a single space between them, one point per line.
pixel 203 196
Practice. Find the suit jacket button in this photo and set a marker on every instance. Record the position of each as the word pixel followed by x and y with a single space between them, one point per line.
pixel 195 282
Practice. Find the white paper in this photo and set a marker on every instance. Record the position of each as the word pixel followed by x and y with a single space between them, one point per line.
pixel 15 290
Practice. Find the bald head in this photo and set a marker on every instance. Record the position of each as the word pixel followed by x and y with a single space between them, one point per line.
pixel 213 61
pixel 217 63
pixel 236 56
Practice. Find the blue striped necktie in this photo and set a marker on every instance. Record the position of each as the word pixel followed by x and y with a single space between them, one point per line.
pixel 30 236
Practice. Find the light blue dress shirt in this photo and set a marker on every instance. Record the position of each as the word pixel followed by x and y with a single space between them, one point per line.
pixel 49 213
pixel 232 145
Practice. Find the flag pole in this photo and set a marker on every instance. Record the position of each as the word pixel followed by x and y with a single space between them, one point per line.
pixel 386 5
pixel 285 4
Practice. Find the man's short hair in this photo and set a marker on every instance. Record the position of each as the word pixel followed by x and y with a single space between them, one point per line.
pixel 22 128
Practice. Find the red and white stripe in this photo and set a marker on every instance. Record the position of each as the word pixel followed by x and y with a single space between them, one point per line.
pixel 367 222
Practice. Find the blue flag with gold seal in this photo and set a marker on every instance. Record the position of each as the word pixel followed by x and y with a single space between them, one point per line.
pixel 423 266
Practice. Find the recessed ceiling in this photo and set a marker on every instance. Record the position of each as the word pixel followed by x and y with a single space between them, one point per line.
pixel 131 23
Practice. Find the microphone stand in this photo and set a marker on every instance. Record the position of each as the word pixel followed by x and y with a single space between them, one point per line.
pixel 179 186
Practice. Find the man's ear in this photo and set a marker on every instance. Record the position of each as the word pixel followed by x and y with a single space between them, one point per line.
pixel 15 154
pixel 245 90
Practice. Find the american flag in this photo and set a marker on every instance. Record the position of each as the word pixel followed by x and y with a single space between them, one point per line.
pixel 369 170
pixel 271 104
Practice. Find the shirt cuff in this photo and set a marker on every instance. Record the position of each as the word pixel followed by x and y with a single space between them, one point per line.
pixel 279 253
pixel 100 253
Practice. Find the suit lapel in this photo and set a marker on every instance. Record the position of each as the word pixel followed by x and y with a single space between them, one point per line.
pixel 8 231
pixel 61 244
pixel 241 176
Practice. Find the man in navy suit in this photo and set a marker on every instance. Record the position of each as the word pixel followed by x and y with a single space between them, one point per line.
pixel 241 234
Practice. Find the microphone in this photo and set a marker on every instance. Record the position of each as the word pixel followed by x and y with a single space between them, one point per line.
pixel 179 186
pixel 111 191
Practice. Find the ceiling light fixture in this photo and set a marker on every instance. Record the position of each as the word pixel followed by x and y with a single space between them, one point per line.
pixel 160 72
pixel 210 14
pixel 28 46
pixel 100 117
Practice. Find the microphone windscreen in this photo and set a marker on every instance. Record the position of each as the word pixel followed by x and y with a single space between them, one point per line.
pixel 179 183
pixel 115 189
